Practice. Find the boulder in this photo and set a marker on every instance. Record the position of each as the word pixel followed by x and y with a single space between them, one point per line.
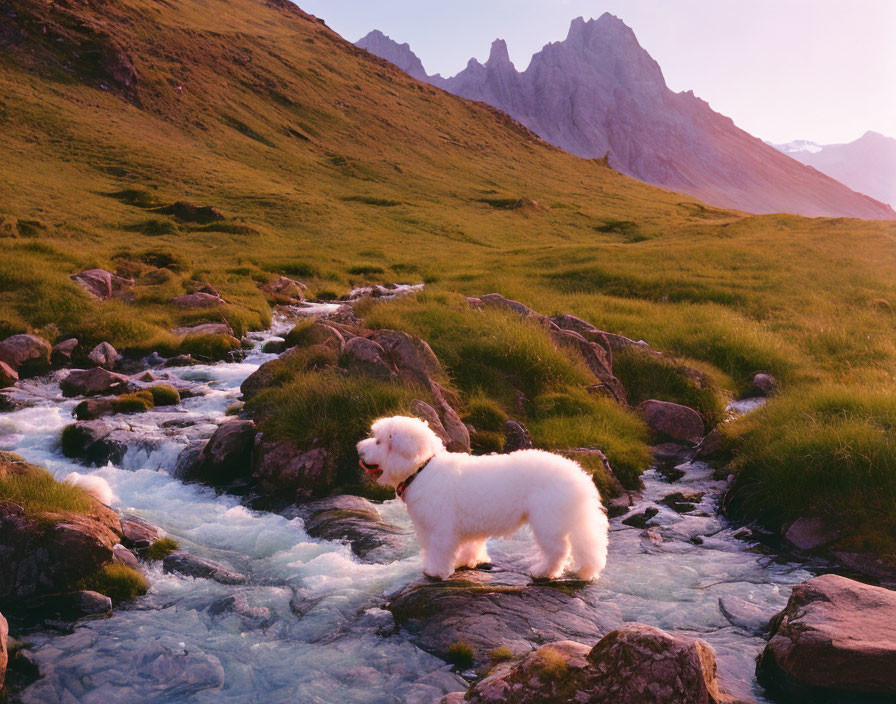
pixel 27 355
pixel 125 557
pixel 457 432
pixel 192 566
pixel 592 334
pixel 636 664
pixel 95 382
pixel 198 300
pixel 104 355
pixel 356 521
pixel 93 408
pixel 496 300
pixel 50 551
pixel 284 289
pixel 138 533
pixel 365 356
pixel 410 356
pixel 834 641
pixel 598 360
pixel 516 437
pixel 4 654
pixel 8 375
pixel 811 533
pixel 712 444
pixel 286 471
pixel 227 455
pixel 498 608
pixel 764 385
pixel 69 606
pixel 672 420
pixel 744 615
pixel 61 354
pixel 96 441
pixel 101 283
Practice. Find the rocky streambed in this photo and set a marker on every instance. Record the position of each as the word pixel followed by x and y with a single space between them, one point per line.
pixel 324 602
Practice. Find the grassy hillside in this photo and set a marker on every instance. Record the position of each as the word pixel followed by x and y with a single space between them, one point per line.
pixel 335 168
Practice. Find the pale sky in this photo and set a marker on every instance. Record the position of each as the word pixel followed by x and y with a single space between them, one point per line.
pixel 823 70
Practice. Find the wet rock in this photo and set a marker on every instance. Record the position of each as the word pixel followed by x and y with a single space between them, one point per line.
pixel 639 520
pixel 516 437
pixel 179 673
pixel 287 471
pixel 810 533
pixel 690 528
pixel 192 566
pixel 274 347
pixel 49 552
pixel 61 354
pixel 498 608
pixel 181 360
pixel 670 453
pixel 255 616
pixel 95 382
pixel 357 521
pixel 711 445
pixel 92 440
pixel 8 375
pixel 365 356
pixel 125 557
pixel 834 641
pixel 744 615
pixel 227 455
pixel 139 533
pixel 4 653
pixel 204 329
pixel 198 300
pixel 764 385
pixel 681 502
pixel 670 474
pixel 104 355
pixel 102 284
pixel 189 212
pixel 285 290
pixel 94 408
pixel 672 420
pixel 636 664
pixel 187 464
pixel 69 606
pixel 27 355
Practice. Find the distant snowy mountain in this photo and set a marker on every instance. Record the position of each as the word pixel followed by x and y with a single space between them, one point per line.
pixel 867 165
pixel 599 93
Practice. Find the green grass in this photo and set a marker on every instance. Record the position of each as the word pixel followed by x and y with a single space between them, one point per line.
pixel 808 300
pixel 35 489
pixel 117 581
pixel 164 395
pixel 137 402
pixel 209 347
pixel 824 451
pixel 160 549
pixel 460 654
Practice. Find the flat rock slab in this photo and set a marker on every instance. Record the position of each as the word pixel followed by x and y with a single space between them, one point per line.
pixel 192 566
pixel 834 641
pixel 488 610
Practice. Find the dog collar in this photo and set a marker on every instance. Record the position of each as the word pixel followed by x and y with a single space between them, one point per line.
pixel 403 487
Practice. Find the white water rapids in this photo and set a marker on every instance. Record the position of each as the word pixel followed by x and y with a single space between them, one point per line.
pixel 168 647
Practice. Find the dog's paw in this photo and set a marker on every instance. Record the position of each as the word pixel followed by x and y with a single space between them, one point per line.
pixel 435 577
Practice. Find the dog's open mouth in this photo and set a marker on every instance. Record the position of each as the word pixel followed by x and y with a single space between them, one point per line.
pixel 373 470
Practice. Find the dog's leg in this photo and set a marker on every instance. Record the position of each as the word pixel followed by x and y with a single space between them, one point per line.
pixel 440 557
pixel 554 554
pixel 473 554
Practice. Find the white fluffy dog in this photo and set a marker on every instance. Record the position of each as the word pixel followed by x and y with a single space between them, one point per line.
pixel 457 501
pixel 95 486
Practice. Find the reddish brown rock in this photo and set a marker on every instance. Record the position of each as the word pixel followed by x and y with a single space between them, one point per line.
pixel 94 382
pixel 8 375
pixel 198 300
pixel 810 533
pixel 61 355
pixel 227 455
pixel 102 284
pixel 104 355
pixel 27 355
pixel 672 420
pixel 412 357
pixel 636 664
pixel 764 385
pixel 285 290
pixel 365 356
pixel 284 469
pixel 834 641
pixel 596 357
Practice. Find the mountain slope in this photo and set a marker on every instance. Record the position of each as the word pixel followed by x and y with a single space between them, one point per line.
pixel 599 92
pixel 867 165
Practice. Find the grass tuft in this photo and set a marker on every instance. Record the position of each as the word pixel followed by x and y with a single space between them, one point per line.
pixel 138 402
pixel 460 654
pixel 36 490
pixel 160 549
pixel 117 581
pixel 164 395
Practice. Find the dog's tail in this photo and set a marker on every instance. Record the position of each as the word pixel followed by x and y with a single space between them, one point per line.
pixel 588 538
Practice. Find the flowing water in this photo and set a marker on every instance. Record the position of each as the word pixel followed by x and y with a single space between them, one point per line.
pixel 174 645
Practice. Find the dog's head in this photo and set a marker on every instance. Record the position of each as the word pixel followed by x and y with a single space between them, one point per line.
pixel 399 447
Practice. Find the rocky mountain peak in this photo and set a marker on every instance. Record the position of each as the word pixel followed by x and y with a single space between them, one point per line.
pixel 401 55
pixel 499 55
